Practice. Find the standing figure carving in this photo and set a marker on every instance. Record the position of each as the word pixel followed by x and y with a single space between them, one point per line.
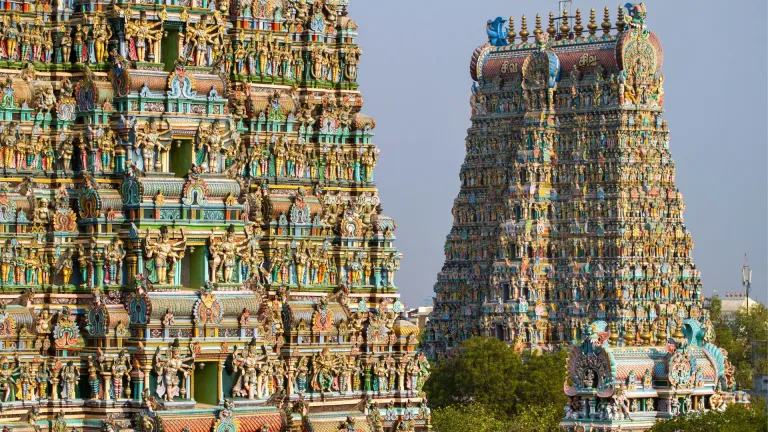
pixel 248 364
pixel 166 253
pixel 168 368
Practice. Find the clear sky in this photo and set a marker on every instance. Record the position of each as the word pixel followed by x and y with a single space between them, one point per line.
pixel 415 81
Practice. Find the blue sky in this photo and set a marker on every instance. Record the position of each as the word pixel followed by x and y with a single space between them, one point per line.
pixel 415 81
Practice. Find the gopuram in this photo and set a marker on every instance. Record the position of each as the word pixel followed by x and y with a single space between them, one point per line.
pixel 191 237
pixel 568 228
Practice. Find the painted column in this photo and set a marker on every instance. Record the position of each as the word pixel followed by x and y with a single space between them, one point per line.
pixel 219 383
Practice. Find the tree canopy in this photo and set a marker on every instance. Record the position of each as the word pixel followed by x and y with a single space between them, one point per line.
pixel 487 377
pixel 737 336
pixel 736 418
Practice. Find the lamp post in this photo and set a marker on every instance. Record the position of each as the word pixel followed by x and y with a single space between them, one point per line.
pixel 746 279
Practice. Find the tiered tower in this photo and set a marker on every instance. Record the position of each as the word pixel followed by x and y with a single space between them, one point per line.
pixel 568 226
pixel 191 234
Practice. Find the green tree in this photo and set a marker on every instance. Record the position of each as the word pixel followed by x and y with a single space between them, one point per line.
pixel 736 418
pixel 538 418
pixel 461 418
pixel 487 373
pixel 737 337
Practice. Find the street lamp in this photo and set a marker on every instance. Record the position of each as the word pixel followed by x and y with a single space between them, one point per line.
pixel 746 279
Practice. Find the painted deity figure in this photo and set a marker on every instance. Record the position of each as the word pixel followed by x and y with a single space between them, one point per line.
pixel 120 371
pixel 200 35
pixel 166 252
pixel 8 375
pixel 216 141
pixel 301 374
pixel 249 364
pixel 152 142
pixel 66 149
pixel 226 253
pixel 106 144
pixel 65 266
pixel 44 377
pixel 94 368
pixel 324 369
pixel 391 265
pixel 143 34
pixel 381 372
pixel 168 368
pixel 101 35
pixel 26 383
pixel 11 35
pixel 113 261
pixel 70 376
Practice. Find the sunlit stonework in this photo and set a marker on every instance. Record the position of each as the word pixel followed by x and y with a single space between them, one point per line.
pixel 192 239
pixel 568 229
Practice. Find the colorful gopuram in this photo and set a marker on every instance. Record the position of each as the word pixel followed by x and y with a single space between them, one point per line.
pixel 191 237
pixel 568 228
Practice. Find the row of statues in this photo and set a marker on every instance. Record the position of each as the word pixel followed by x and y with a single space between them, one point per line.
pixel 257 376
pixel 28 266
pixel 45 380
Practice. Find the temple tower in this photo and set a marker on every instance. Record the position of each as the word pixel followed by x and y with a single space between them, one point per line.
pixel 191 230
pixel 568 228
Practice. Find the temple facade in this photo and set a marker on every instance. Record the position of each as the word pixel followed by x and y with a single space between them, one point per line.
pixel 191 237
pixel 568 229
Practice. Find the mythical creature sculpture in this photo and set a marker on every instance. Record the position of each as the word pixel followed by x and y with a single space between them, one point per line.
pixel 497 32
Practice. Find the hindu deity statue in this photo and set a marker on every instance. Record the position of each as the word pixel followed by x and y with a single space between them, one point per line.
pixel 94 368
pixel 168 368
pixel 381 373
pixel 8 375
pixel 120 371
pixel 106 145
pixel 226 253
pixel 165 252
pixel 199 35
pixel 113 260
pixel 66 149
pixel 44 377
pixel 215 140
pixel 70 377
pixel 102 32
pixel 324 369
pixel 301 374
pixel 249 365
pixel 392 265
pixel 142 34
pixel 65 266
pixel 152 142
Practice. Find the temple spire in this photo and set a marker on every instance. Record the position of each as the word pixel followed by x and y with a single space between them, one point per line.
pixel 511 33
pixel 592 26
pixel 564 28
pixel 524 31
pixel 606 22
pixel 620 21
pixel 578 28
pixel 551 29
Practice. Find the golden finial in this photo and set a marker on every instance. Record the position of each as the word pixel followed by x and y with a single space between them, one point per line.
pixel 620 22
pixel 511 34
pixel 592 26
pixel 524 32
pixel 551 29
pixel 606 22
pixel 564 28
pixel 537 30
pixel 578 28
